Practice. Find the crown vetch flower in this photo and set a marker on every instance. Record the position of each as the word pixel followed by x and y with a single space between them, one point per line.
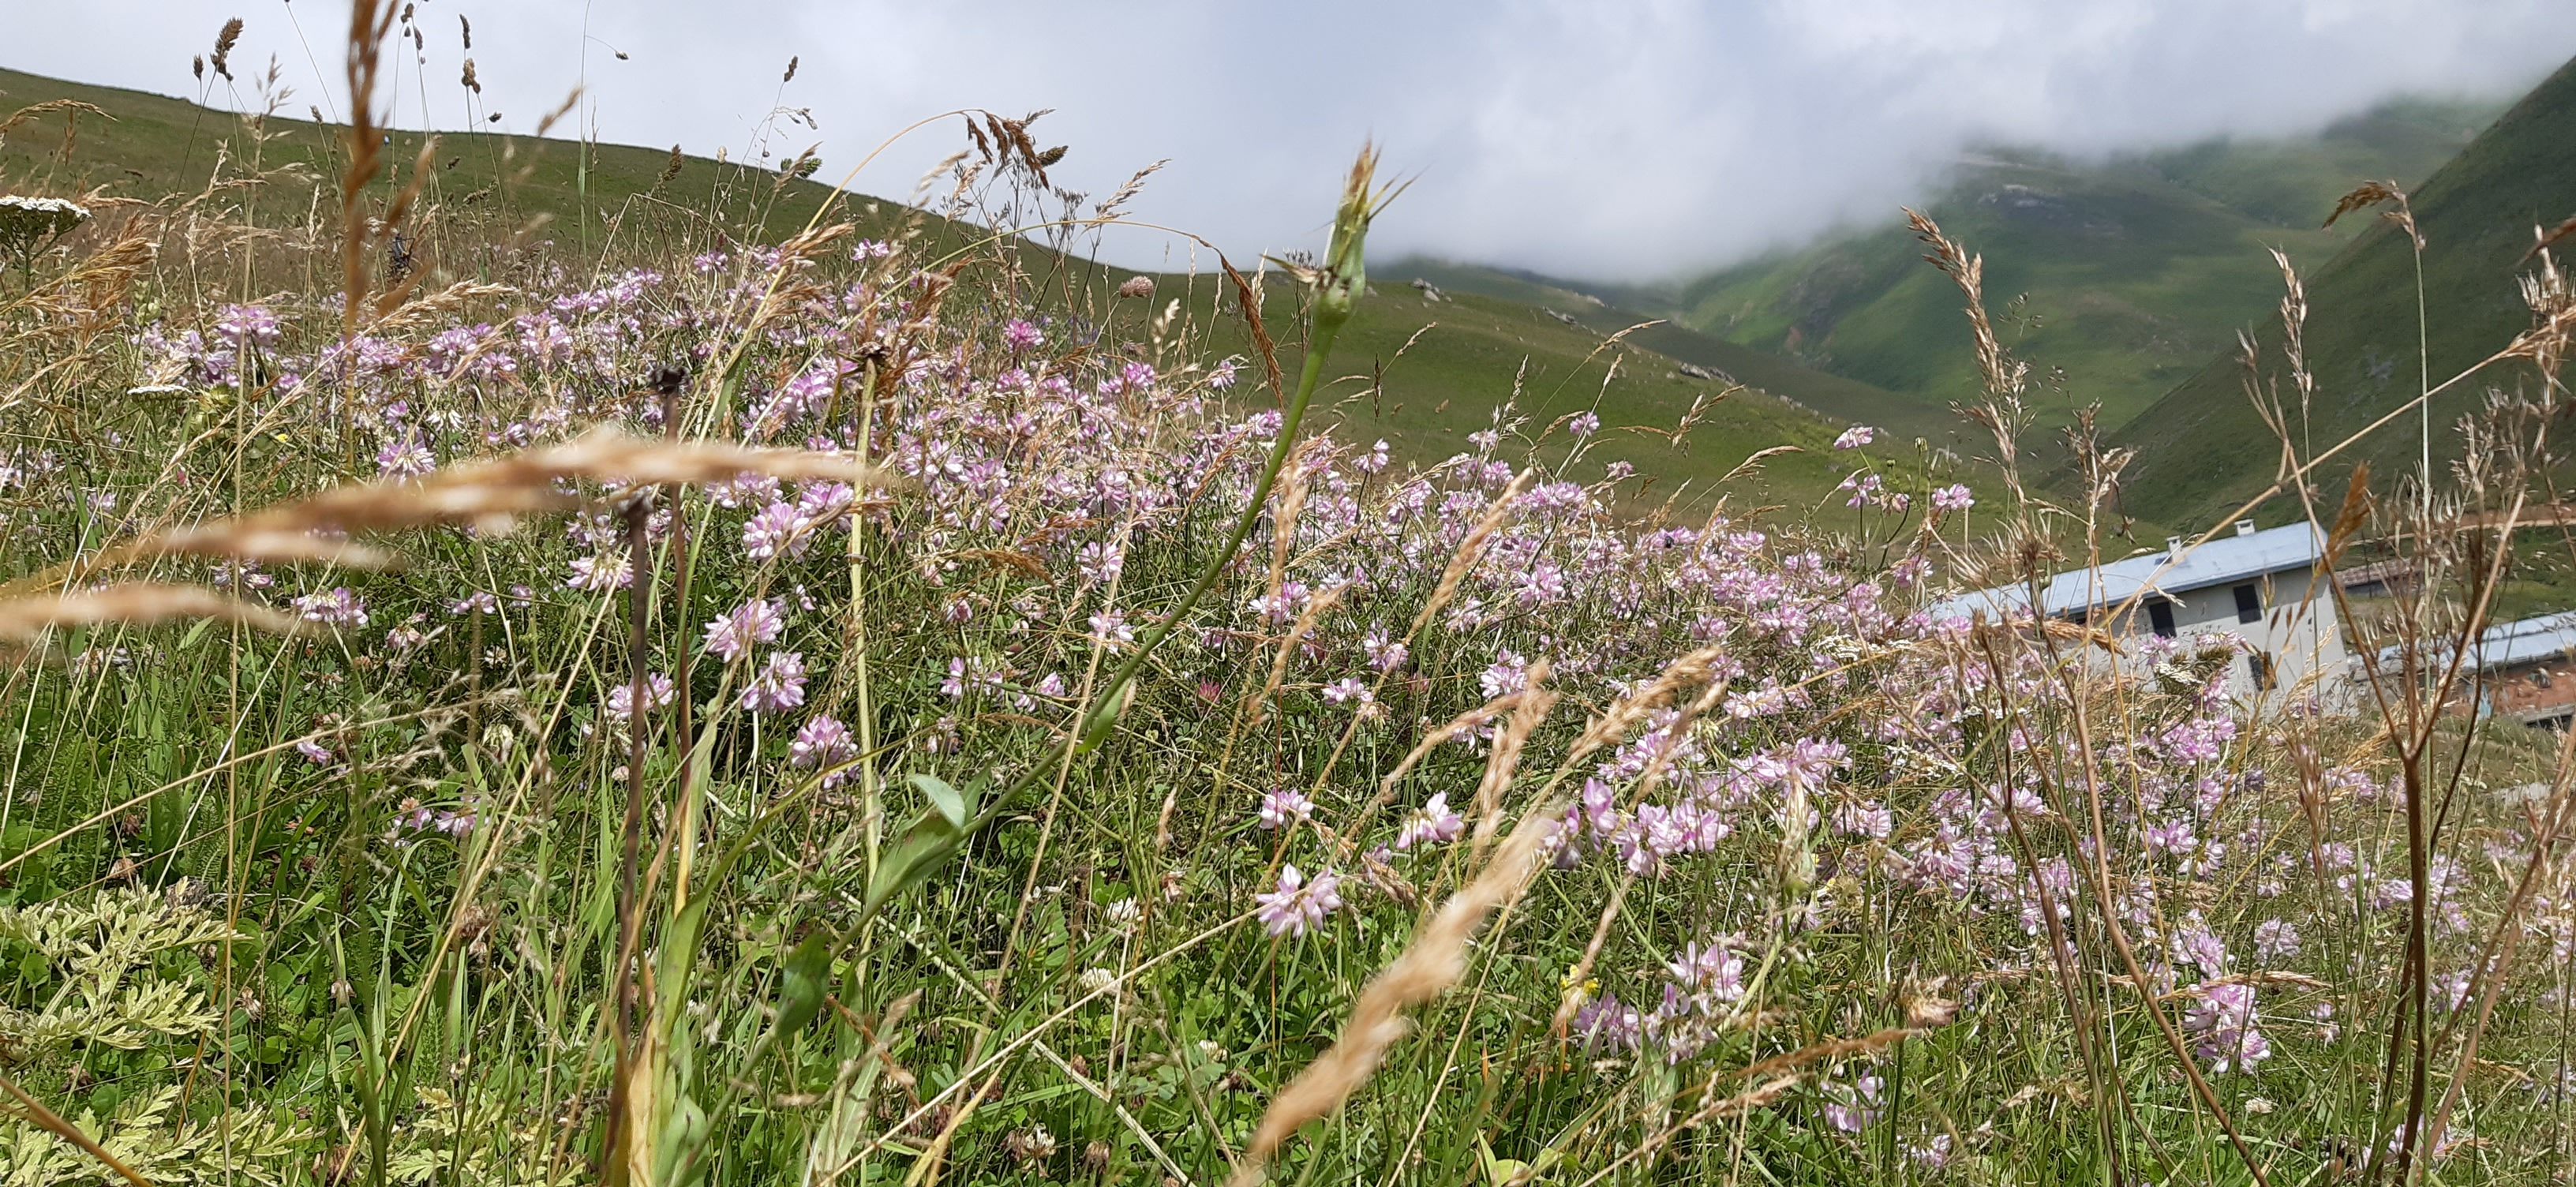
pixel 1433 824
pixel 600 573
pixel 732 634
pixel 1853 1107
pixel 620 702
pixel 339 607
pixel 2225 1019
pixel 1299 905
pixel 1284 806
pixel 778 530
pixel 780 686
pixel 823 743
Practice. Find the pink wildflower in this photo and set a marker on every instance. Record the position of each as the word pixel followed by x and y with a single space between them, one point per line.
pixel 780 686
pixel 1434 824
pixel 733 633
pixel 1285 806
pixel 1299 905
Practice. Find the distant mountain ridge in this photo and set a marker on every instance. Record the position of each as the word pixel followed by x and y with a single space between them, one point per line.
pixel 2201 448
pixel 2117 278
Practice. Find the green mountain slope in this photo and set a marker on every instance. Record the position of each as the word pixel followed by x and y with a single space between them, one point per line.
pixel 1833 396
pixel 2202 448
pixel 2117 279
pixel 1426 374
pixel 154 147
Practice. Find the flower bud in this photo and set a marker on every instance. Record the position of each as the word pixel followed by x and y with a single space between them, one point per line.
pixel 1345 274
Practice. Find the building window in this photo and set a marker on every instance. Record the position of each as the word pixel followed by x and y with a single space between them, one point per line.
pixel 2160 617
pixel 2259 666
pixel 2249 604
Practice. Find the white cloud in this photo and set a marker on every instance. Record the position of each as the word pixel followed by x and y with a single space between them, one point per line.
pixel 1626 140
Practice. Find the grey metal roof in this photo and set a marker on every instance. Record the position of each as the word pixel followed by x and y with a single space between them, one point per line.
pixel 2223 560
pixel 2509 645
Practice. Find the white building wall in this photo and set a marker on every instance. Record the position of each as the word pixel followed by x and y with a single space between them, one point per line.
pixel 2300 636
pixel 2290 655
pixel 2297 632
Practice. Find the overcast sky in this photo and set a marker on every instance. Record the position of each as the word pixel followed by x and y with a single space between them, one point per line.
pixel 1592 138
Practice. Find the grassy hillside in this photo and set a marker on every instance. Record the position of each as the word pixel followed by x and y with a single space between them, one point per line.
pixel 1445 384
pixel 1465 359
pixel 154 147
pixel 1834 396
pixel 2118 279
pixel 2203 449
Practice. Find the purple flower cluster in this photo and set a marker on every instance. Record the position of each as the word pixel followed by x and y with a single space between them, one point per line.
pixel 823 744
pixel 2223 1020
pixel 1298 905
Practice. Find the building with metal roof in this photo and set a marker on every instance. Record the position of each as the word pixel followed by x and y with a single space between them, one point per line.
pixel 2253 589
pixel 2523 670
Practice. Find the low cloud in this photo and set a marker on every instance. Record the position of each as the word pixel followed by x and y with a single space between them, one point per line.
pixel 1610 141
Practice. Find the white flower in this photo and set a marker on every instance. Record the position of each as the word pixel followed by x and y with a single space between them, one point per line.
pixel 27 223
pixel 43 215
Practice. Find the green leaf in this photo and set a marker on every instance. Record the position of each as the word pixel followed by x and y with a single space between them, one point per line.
pixel 952 803
pixel 679 963
pixel 684 1138
pixel 803 981
pixel 1103 719
pixel 1506 1172
pixel 907 863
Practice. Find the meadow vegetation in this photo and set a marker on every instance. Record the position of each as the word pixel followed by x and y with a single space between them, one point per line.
pixel 859 698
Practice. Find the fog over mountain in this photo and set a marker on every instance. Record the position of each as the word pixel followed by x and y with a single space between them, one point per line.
pixel 1631 141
